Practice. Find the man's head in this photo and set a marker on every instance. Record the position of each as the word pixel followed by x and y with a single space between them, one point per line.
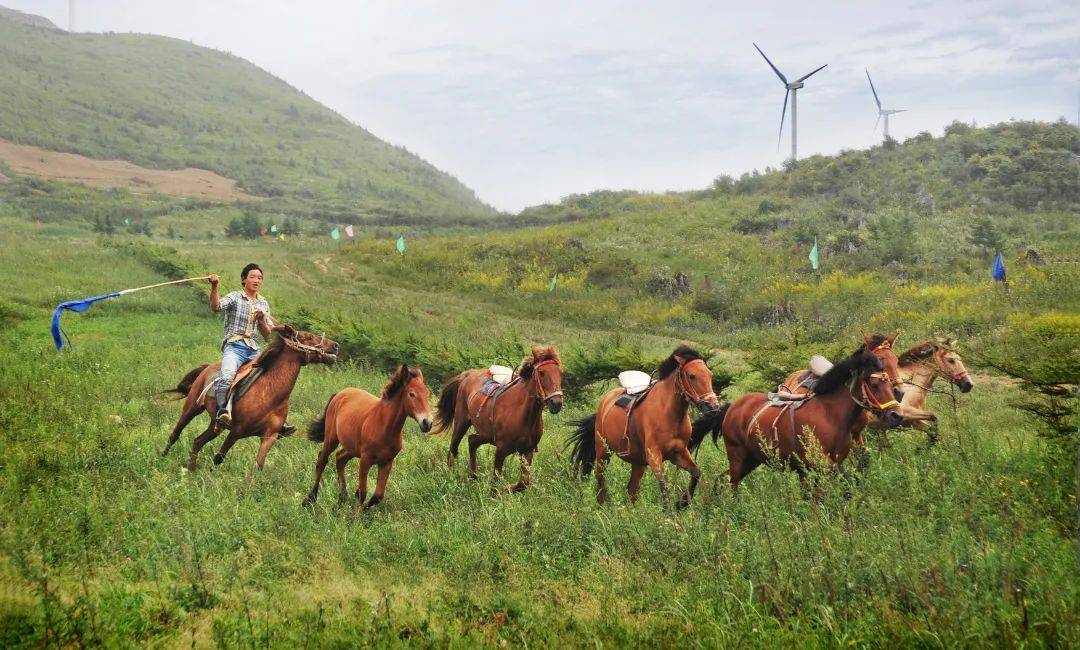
pixel 251 277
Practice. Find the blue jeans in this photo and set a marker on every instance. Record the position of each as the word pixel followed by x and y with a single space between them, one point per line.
pixel 233 356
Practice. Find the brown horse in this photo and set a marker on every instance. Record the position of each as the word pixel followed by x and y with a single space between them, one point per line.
pixel 656 429
pixel 369 428
pixel 262 410
pixel 919 367
pixel 755 430
pixel 511 420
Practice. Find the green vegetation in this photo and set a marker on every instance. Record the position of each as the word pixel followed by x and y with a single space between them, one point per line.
pixel 165 103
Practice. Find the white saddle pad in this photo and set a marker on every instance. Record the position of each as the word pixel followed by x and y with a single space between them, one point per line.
pixel 634 381
pixel 819 365
pixel 501 374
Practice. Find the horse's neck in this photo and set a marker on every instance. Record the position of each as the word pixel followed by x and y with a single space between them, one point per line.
pixel 674 403
pixel 921 379
pixel 841 405
pixel 280 378
pixel 523 392
pixel 392 411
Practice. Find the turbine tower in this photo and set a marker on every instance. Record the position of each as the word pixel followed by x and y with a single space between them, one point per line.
pixel 791 88
pixel 882 112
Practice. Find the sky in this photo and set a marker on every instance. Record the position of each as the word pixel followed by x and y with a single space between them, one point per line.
pixel 527 102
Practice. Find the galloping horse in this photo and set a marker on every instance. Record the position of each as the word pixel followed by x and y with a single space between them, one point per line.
pixel 755 428
pixel 262 410
pixel 511 420
pixel 370 428
pixel 655 429
pixel 919 367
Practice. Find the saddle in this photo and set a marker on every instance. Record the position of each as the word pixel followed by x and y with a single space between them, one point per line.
pixel 490 390
pixel 245 377
pixel 806 380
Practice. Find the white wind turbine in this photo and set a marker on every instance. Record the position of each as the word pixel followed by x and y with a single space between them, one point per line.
pixel 882 112
pixel 791 88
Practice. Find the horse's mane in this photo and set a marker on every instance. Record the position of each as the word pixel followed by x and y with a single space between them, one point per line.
pixel 539 353
pixel 842 371
pixel 271 353
pixel 398 380
pixel 668 366
pixel 917 353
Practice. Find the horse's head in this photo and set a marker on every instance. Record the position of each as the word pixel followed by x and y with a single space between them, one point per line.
pixel 408 384
pixel 877 386
pixel 694 379
pixel 313 348
pixel 948 364
pixel 545 370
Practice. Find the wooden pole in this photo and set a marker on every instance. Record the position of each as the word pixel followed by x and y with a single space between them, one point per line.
pixel 162 284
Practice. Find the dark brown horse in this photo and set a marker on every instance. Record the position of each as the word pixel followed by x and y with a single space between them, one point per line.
pixel 656 430
pixel 511 421
pixel 263 409
pixel 369 428
pixel 754 430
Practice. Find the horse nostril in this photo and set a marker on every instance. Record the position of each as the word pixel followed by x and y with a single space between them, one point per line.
pixel 966 386
pixel 555 405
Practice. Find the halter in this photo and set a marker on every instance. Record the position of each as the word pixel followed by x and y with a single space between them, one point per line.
pixel 874 405
pixel 544 396
pixel 306 349
pixel 682 383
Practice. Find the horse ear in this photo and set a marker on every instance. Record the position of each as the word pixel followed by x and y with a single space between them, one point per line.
pixel 288 330
pixel 892 338
pixel 869 342
pixel 680 360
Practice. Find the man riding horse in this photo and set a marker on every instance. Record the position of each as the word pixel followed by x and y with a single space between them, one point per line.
pixel 247 318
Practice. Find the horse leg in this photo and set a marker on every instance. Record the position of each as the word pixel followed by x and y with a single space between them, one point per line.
pixel 264 447
pixel 526 465
pixel 185 417
pixel 496 475
pixel 460 427
pixel 636 472
pixel 361 487
pixel 230 440
pixel 343 458
pixel 740 463
pixel 380 484
pixel 320 466
pixel 474 442
pixel 211 432
pixel 656 464
pixel 602 456
pixel 685 461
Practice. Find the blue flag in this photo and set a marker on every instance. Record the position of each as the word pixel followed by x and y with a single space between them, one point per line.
pixel 999 269
pixel 77 306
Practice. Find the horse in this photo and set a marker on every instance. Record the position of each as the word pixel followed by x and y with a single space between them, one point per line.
pixel 919 367
pixel 369 428
pixel 263 409
pixel 511 420
pixel 754 428
pixel 654 430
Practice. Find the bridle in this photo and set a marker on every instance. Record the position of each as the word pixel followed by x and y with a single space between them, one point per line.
pixel 541 394
pixel 682 384
pixel 308 350
pixel 869 402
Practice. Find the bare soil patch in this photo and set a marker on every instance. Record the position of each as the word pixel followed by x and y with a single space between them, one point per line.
pixel 75 168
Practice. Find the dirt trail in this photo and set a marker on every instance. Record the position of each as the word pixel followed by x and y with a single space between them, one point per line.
pixel 71 167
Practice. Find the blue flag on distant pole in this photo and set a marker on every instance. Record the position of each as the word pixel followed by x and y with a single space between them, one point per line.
pixel 999 269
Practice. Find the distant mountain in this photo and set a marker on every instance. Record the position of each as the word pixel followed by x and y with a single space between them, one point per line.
pixel 168 104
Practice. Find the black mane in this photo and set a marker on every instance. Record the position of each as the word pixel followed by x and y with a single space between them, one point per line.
pixel 838 375
pixel 667 366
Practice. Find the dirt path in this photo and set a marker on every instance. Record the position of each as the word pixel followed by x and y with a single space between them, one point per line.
pixel 74 168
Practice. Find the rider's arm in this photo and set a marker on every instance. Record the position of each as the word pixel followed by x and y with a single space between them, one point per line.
pixel 215 304
pixel 264 323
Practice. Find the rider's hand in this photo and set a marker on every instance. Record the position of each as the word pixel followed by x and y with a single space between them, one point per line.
pixel 260 315
pixel 213 279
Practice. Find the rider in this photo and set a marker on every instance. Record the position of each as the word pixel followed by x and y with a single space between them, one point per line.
pixel 245 312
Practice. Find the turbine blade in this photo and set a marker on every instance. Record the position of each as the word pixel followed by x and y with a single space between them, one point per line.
pixel 900 110
pixel 783 112
pixel 876 123
pixel 778 73
pixel 807 76
pixel 873 90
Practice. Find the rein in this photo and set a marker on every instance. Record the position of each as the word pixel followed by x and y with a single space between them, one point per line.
pixel 305 349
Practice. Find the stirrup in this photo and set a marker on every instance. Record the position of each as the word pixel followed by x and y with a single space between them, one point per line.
pixel 224 419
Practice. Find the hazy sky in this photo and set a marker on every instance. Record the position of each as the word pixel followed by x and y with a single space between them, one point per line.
pixel 529 102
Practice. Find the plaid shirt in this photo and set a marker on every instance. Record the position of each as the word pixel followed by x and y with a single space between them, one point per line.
pixel 240 322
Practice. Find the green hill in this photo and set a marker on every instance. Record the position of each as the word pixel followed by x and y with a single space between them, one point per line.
pixel 165 103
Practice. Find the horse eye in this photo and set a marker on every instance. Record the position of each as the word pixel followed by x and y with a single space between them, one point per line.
pixel 412 394
pixel 952 360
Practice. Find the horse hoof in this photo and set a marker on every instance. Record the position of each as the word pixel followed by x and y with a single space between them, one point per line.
pixel 308 502
pixel 219 459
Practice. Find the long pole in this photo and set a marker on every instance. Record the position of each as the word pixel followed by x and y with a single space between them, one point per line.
pixel 886 126
pixel 162 284
pixel 794 124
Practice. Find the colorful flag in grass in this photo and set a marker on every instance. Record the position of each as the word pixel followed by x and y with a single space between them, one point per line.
pixel 401 245
pixel 554 283
pixel 127 222
pixel 273 228
pixel 335 235
pixel 814 256
pixel 348 230
pixel 999 269
pixel 281 236
pixel 262 231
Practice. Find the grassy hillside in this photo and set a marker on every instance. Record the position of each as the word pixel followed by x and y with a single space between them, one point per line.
pixel 165 103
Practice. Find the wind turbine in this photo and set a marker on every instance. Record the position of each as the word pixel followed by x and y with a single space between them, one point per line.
pixel 882 112
pixel 791 88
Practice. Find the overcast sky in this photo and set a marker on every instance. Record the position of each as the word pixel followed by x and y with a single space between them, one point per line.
pixel 529 102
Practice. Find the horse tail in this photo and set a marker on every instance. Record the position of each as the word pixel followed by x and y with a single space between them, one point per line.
pixel 188 380
pixel 711 422
pixel 316 431
pixel 582 445
pixel 447 405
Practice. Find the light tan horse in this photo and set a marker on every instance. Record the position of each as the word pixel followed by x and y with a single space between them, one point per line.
pixel 369 428
pixel 919 367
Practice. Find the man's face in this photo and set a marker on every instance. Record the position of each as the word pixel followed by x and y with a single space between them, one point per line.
pixel 253 280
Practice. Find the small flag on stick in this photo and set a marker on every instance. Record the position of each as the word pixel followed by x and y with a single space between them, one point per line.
pixel 273 228
pixel 281 236
pixel 401 245
pixel 814 256
pixel 554 283
pixel 999 269
pixel 349 230
pixel 334 234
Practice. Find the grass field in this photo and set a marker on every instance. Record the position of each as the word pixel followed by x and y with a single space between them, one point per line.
pixel 970 542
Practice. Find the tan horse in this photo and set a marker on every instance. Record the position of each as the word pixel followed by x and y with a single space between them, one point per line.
pixel 263 409
pixel 512 420
pixel 369 428
pixel 919 367
pixel 656 431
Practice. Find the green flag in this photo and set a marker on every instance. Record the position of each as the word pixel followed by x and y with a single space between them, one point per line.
pixel 273 228
pixel 401 245
pixel 814 260
pixel 127 222
pixel 335 235
pixel 554 282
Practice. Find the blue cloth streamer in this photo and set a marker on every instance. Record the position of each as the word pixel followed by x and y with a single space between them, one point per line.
pixel 73 305
pixel 999 269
